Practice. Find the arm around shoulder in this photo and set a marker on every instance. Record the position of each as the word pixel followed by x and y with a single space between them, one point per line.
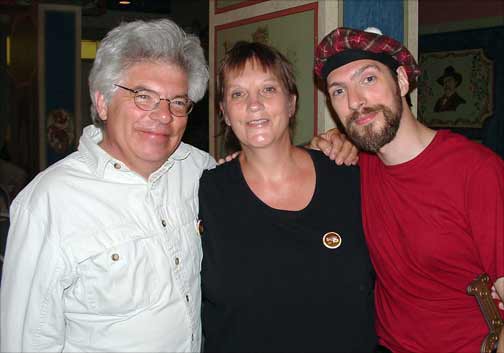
pixel 336 146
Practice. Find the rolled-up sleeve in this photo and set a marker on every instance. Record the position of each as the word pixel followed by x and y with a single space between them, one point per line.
pixel 34 276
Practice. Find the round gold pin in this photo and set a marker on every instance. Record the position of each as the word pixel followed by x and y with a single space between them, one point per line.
pixel 332 240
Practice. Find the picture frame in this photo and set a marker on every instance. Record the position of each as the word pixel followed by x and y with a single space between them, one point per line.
pixel 59 100
pixel 228 5
pixel 489 40
pixel 456 88
pixel 276 29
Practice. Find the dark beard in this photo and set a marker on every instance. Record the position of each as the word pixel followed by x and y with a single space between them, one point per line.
pixel 369 139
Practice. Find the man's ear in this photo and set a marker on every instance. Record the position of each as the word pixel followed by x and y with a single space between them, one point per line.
pixel 402 80
pixel 101 105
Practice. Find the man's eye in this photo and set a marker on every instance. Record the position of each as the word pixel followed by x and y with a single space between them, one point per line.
pixel 179 102
pixel 144 97
pixel 337 92
pixel 369 79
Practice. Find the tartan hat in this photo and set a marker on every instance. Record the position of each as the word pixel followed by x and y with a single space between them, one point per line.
pixel 344 45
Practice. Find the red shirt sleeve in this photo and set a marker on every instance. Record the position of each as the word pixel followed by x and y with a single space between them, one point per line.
pixel 485 204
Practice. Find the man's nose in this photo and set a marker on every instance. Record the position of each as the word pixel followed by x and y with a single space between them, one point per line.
pixel 355 99
pixel 162 112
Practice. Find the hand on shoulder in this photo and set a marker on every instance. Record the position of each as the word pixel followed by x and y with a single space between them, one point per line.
pixel 336 146
pixel 228 158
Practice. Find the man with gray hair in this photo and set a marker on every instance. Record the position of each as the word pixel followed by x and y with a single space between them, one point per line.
pixel 103 252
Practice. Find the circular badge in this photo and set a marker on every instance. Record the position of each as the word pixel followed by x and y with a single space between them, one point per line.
pixel 331 240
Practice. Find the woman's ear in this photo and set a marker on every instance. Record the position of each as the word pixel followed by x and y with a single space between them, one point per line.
pixel 226 119
pixel 402 80
pixel 101 105
pixel 292 106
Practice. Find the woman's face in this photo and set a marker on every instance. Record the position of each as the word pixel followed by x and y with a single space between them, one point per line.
pixel 257 106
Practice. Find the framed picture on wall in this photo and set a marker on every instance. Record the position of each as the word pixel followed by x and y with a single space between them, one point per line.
pixel 293 32
pixel 228 5
pixel 456 88
pixel 59 100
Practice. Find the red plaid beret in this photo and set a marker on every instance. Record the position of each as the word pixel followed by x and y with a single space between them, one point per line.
pixel 344 45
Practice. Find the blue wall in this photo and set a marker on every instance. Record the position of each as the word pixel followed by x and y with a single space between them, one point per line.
pixel 387 15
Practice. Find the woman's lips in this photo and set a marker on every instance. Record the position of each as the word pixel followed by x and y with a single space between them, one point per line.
pixel 258 122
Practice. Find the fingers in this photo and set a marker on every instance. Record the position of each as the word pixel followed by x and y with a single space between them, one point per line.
pixel 353 156
pixel 500 342
pixel 232 156
pixel 495 295
pixel 343 150
pixel 336 146
pixel 314 143
pixel 326 147
pixel 331 142
pixel 228 158
pixel 323 141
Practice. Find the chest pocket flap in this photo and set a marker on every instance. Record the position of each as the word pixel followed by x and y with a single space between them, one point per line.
pixel 115 271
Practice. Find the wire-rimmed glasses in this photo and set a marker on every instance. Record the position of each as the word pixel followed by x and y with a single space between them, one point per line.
pixel 149 100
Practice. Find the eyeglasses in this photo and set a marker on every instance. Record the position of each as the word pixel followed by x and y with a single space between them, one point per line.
pixel 150 100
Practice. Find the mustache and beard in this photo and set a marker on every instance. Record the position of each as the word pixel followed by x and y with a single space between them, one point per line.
pixel 369 138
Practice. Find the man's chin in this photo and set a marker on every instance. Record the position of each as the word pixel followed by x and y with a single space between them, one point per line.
pixel 371 142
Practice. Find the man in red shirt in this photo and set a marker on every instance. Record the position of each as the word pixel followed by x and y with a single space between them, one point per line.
pixel 432 201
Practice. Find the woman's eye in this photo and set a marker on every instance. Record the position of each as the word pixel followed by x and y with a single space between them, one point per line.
pixel 269 89
pixel 237 94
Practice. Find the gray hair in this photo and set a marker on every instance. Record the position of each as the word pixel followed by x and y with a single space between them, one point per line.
pixel 139 41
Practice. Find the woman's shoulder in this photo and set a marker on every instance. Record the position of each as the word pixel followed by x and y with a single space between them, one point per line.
pixel 328 167
pixel 220 175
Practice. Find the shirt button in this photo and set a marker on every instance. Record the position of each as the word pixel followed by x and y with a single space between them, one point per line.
pixel 115 257
pixel 117 165
pixel 163 222
pixel 177 261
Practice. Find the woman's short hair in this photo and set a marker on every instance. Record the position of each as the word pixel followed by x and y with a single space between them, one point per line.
pixel 140 41
pixel 269 59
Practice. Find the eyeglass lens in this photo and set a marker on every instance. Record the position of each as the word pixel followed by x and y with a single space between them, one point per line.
pixel 149 100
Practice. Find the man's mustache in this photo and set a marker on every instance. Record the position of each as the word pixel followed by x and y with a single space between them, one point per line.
pixel 366 110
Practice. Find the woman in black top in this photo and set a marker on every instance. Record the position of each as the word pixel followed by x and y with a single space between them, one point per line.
pixel 285 265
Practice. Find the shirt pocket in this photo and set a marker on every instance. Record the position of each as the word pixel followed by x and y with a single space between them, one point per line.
pixel 118 277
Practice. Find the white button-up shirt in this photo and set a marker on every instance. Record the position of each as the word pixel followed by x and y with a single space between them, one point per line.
pixel 100 259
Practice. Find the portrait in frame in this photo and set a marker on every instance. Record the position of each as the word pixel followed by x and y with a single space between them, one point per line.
pixel 277 29
pixel 455 88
